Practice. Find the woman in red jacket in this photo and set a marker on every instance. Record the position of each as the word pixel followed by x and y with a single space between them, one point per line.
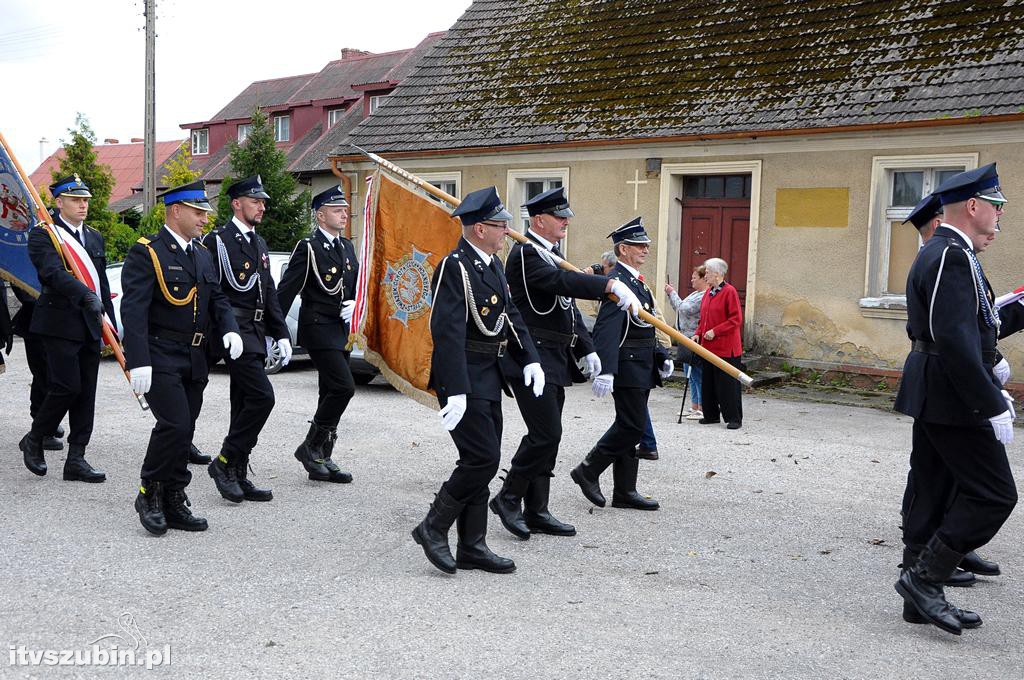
pixel 719 331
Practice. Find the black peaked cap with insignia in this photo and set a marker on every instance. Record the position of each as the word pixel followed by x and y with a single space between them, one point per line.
pixel 251 187
pixel 551 202
pixel 480 206
pixel 631 232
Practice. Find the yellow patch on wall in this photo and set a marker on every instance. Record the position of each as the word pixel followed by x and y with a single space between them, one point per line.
pixel 821 207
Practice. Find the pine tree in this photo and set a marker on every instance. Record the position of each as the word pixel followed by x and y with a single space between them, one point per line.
pixel 79 158
pixel 178 171
pixel 288 216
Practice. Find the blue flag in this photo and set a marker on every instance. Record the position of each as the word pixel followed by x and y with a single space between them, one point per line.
pixel 17 217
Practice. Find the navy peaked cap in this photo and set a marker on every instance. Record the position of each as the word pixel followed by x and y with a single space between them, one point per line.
pixel 551 202
pixel 333 196
pixel 631 232
pixel 192 194
pixel 480 206
pixel 924 212
pixel 71 185
pixel 250 186
pixel 982 182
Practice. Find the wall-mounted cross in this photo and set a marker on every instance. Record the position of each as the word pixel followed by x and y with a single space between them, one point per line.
pixel 636 182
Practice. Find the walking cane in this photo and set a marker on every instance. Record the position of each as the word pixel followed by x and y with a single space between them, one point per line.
pixel 686 388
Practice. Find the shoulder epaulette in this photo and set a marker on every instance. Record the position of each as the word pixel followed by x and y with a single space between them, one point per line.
pixel 201 244
pixel 144 241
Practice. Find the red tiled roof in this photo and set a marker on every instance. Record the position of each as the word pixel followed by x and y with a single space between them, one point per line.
pixel 124 160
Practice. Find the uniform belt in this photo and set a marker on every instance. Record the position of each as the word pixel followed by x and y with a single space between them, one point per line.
pixel 988 357
pixel 490 348
pixel 324 308
pixel 193 339
pixel 554 336
pixel 254 314
pixel 646 342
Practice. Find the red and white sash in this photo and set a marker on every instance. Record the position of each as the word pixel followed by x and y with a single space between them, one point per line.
pixel 85 264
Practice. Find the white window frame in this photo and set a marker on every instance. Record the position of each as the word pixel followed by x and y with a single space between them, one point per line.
pixel 876 302
pixel 278 137
pixel 243 131
pixel 437 178
pixel 515 194
pixel 376 100
pixel 203 135
pixel 334 115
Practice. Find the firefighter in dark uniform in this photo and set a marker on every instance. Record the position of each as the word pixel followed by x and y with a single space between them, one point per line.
pixel 172 309
pixel 6 332
pixel 35 356
pixel 632 363
pixel 242 262
pixel 962 417
pixel 543 293
pixel 67 317
pixel 323 270
pixel 473 323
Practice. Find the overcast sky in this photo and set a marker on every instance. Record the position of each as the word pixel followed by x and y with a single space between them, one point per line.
pixel 62 57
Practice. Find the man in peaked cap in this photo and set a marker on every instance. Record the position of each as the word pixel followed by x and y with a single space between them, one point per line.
pixel 544 294
pixel 243 265
pixel 172 303
pixel 323 270
pixel 68 319
pixel 632 363
pixel 468 376
pixel 926 216
pixel 962 418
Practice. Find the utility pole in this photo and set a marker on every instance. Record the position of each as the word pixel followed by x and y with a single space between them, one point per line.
pixel 42 149
pixel 149 150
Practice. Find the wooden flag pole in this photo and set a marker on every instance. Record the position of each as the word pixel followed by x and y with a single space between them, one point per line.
pixel 744 379
pixel 109 336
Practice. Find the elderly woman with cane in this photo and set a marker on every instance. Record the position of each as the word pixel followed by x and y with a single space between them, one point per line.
pixel 718 330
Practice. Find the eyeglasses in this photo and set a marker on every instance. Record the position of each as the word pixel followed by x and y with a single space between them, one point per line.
pixel 496 224
pixel 998 205
pixel 641 246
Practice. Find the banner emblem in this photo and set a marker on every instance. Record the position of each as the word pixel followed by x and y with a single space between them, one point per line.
pixel 407 286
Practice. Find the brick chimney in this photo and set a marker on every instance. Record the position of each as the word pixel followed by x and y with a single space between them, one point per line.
pixel 350 52
pixel 136 140
pixel 110 140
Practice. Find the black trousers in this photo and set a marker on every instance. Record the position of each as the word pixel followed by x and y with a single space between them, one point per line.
pixel 721 393
pixel 971 461
pixel 35 357
pixel 538 448
pixel 336 386
pixel 252 400
pixel 71 370
pixel 478 439
pixel 175 401
pixel 621 439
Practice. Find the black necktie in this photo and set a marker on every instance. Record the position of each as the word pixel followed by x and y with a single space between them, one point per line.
pixel 78 237
pixel 556 251
pixel 188 249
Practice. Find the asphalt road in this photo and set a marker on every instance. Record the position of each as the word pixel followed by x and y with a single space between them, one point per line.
pixel 773 555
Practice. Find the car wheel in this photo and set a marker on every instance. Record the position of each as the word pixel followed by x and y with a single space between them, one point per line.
pixel 362 378
pixel 273 363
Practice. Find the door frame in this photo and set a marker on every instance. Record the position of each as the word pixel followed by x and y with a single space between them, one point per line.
pixel 670 214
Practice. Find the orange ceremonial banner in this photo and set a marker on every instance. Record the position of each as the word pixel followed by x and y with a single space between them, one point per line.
pixel 406 236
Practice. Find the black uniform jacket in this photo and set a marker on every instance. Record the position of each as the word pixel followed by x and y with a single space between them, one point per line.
pixel 952 382
pixel 22 320
pixel 457 366
pixel 320 322
pixel 162 320
pixel 543 293
pixel 628 347
pixel 257 310
pixel 58 312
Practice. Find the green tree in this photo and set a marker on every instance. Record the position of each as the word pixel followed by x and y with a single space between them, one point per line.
pixel 287 217
pixel 178 171
pixel 80 158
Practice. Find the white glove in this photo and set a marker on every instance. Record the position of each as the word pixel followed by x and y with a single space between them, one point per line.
pixel 593 364
pixel 233 344
pixel 1009 403
pixel 285 345
pixel 453 411
pixel 1002 425
pixel 667 368
pixel 603 385
pixel 534 374
pixel 1002 371
pixel 346 310
pixel 142 379
pixel 627 298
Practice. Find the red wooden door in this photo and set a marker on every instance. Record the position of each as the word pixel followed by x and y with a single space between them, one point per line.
pixel 715 227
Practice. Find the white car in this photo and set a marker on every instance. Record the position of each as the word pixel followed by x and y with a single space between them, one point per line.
pixel 362 372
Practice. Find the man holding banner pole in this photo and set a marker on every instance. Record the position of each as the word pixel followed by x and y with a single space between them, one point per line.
pixel 69 319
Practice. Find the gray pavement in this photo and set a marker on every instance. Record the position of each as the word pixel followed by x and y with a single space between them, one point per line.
pixel 780 564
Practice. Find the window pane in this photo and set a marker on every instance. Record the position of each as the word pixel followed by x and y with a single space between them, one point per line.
pixel 243 131
pixel 715 187
pixel 903 246
pixel 534 187
pixel 200 143
pixel 554 183
pixel 907 187
pixel 734 186
pixel 282 128
pixel 691 187
pixel 942 175
pixel 746 186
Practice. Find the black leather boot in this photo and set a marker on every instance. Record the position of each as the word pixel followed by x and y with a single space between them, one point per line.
pixel 226 478
pixel 177 513
pixel 52 444
pixel 338 476
pixel 250 491
pixel 507 504
pixel 432 532
pixel 587 475
pixel 309 453
pixel 32 454
pixel 959 578
pixel 536 514
pixel 77 469
pixel 625 494
pixel 197 457
pixel 646 454
pixel 472 551
pixel 968 619
pixel 921 585
pixel 150 506
pixel 974 562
